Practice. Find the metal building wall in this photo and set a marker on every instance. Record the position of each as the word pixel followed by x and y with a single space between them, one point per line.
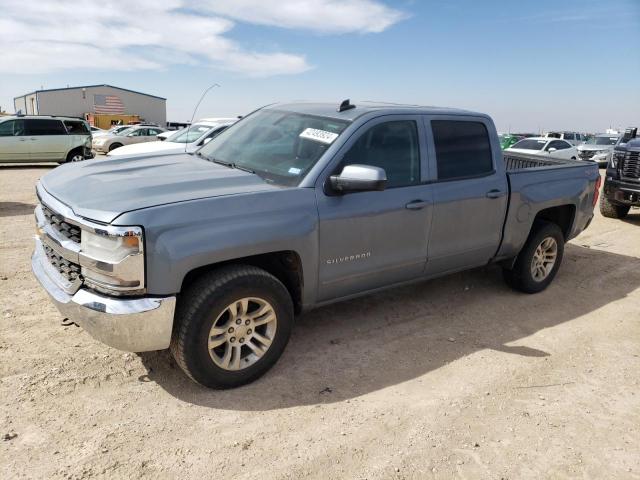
pixel 76 102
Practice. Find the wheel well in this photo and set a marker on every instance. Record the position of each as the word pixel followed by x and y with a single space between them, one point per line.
pixel 562 216
pixel 286 266
pixel 74 150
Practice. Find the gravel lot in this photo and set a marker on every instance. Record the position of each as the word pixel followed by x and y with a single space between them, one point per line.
pixel 453 378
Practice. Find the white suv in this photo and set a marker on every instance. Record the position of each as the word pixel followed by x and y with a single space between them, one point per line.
pixel 44 139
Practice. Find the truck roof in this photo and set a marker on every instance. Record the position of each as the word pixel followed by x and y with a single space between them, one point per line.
pixel 358 109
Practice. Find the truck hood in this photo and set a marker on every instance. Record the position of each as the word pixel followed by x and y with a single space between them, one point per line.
pixel 101 190
pixel 592 148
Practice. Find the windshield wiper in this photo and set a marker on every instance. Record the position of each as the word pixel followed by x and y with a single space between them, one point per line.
pixel 226 164
pixel 240 167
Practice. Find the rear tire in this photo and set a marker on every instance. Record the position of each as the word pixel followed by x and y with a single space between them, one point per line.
pixel 221 338
pixel 611 210
pixel 113 146
pixel 533 270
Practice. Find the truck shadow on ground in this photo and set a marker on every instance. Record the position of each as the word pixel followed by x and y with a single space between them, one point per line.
pixel 353 348
pixel 633 217
pixel 15 209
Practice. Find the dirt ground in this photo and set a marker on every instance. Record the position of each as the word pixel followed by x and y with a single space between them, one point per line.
pixel 453 378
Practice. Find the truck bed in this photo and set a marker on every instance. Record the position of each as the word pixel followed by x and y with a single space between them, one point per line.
pixel 520 161
pixel 538 183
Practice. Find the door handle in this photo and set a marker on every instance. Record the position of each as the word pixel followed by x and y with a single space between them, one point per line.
pixel 416 205
pixel 23 140
pixel 495 194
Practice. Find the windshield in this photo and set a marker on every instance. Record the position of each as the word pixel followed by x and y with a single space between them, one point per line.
pixel 280 147
pixel 528 144
pixel 602 141
pixel 125 131
pixel 191 134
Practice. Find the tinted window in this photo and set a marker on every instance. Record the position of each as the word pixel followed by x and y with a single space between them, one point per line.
pixel 569 136
pixel 45 127
pixel 392 146
pixel 76 127
pixel 558 145
pixel 462 149
pixel 12 128
pixel 528 144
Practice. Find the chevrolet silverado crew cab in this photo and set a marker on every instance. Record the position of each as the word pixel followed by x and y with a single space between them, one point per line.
pixel 39 138
pixel 293 207
pixel 622 180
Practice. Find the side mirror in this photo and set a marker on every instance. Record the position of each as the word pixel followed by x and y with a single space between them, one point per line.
pixel 552 150
pixel 158 137
pixel 359 178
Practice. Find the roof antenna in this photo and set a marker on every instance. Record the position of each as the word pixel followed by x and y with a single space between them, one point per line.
pixel 346 105
pixel 195 110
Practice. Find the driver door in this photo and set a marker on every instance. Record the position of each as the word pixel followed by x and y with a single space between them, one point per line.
pixel 373 239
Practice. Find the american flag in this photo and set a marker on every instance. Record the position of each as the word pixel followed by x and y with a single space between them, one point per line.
pixel 107 104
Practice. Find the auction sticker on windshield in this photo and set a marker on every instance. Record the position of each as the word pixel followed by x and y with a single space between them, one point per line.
pixel 316 135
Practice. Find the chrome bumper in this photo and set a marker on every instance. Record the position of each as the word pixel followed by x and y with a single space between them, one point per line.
pixel 133 325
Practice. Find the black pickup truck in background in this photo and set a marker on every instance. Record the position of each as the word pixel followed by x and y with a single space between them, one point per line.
pixel 622 182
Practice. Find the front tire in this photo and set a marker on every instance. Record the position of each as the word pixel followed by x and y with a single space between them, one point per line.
pixel 114 146
pixel 232 325
pixel 611 210
pixel 538 261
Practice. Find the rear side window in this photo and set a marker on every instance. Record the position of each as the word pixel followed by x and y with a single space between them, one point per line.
pixel 462 149
pixel 558 145
pixel 569 136
pixel 12 128
pixel 392 146
pixel 45 127
pixel 76 127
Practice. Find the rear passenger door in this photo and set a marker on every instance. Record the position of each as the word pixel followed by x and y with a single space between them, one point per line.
pixel 470 192
pixel 48 139
pixel 14 146
pixel 152 134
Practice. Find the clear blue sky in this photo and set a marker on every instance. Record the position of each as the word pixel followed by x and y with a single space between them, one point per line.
pixel 549 64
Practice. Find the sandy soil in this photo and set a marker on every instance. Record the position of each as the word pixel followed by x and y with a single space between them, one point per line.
pixel 453 378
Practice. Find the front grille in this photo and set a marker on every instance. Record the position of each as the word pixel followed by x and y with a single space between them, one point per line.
pixel 631 165
pixel 586 154
pixel 65 229
pixel 69 270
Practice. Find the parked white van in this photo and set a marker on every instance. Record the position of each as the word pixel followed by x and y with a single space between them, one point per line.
pixel 28 138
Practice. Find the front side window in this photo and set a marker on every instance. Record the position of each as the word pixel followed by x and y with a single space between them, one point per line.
pixel 12 128
pixel 279 146
pixel 43 126
pixel 558 145
pixel 76 127
pixel 462 149
pixel 392 146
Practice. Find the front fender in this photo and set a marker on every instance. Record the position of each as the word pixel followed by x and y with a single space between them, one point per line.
pixel 183 236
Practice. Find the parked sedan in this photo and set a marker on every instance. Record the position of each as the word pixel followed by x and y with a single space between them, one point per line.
pixel 599 148
pixel 137 134
pixel 185 140
pixel 545 146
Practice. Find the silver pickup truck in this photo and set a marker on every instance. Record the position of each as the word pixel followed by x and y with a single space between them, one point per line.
pixel 295 206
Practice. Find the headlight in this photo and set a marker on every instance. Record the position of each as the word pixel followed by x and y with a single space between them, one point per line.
pixel 112 260
pixel 99 141
pixel 615 158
